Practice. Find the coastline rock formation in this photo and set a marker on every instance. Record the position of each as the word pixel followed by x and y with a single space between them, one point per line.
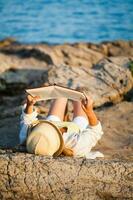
pixel 104 70
pixel 35 177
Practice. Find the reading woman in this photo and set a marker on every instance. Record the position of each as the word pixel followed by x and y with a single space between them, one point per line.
pixel 53 136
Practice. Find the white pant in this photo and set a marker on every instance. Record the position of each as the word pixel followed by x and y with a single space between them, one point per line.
pixel 81 121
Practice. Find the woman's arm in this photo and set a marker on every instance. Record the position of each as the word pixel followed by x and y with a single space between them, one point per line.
pixel 28 116
pixel 92 133
pixel 87 106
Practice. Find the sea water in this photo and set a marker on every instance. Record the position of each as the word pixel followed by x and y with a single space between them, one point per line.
pixel 59 21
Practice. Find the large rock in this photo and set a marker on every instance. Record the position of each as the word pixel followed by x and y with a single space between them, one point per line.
pixel 114 48
pixel 14 61
pixel 19 72
pixel 25 176
pixel 15 81
pixel 55 54
pixel 78 54
pixel 74 56
pixel 106 81
pixel 23 65
pixel 121 61
pixel 120 48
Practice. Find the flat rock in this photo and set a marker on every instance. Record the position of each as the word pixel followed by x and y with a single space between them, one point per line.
pixel 106 81
pixel 25 176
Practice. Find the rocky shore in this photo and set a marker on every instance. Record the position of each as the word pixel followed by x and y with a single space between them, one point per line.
pixel 104 70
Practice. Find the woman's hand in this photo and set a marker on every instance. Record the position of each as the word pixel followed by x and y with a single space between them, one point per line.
pixel 30 103
pixel 87 104
pixel 32 100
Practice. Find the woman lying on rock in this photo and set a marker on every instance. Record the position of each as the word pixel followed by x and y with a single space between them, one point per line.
pixel 53 136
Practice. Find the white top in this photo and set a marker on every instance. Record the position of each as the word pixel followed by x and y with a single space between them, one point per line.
pixel 81 142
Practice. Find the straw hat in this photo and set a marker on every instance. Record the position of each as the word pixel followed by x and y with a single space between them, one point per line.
pixel 45 139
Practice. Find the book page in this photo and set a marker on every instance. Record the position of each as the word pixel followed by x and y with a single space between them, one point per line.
pixel 69 93
pixel 54 92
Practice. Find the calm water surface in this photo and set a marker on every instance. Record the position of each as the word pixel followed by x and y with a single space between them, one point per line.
pixel 59 21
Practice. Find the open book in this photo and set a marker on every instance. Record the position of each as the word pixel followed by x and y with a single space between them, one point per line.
pixel 54 92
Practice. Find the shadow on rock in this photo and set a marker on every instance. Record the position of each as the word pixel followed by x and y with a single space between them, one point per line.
pixel 28 53
pixel 14 81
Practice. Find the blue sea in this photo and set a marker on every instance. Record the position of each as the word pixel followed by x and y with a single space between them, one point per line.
pixel 60 21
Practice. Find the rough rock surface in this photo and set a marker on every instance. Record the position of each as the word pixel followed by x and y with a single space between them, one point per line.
pixel 107 81
pixel 117 122
pixel 15 81
pixel 80 54
pixel 102 70
pixel 34 177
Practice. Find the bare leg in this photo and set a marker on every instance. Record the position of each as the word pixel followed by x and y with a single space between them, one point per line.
pixel 79 116
pixel 77 110
pixel 58 108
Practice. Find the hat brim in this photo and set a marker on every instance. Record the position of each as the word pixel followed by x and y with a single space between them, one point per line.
pixel 59 151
